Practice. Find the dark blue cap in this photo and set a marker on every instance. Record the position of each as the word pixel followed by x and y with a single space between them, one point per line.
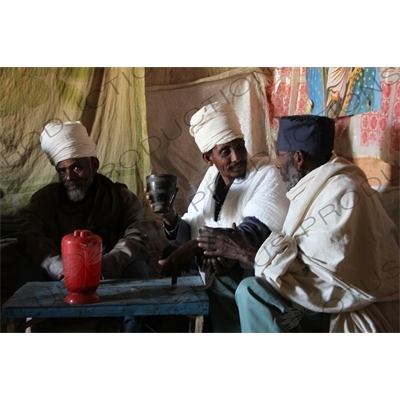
pixel 309 133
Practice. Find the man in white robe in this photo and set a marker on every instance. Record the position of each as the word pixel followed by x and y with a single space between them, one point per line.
pixel 235 189
pixel 334 267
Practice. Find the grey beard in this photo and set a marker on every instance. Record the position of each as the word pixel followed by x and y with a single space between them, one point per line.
pixel 293 177
pixel 77 194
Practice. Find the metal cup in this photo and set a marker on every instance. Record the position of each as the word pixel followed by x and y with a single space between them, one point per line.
pixel 161 188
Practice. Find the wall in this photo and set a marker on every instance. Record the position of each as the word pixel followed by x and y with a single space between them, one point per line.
pixel 171 76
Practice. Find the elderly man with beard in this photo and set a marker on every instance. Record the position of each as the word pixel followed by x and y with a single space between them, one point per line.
pixel 235 189
pixel 334 267
pixel 83 199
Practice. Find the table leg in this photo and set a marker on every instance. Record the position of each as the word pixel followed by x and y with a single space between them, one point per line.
pixel 19 325
pixel 28 325
pixel 199 324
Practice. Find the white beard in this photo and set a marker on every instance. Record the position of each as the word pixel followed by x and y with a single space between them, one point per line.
pixel 76 194
pixel 293 177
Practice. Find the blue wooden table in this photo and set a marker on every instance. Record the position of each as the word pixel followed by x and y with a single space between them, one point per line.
pixel 42 300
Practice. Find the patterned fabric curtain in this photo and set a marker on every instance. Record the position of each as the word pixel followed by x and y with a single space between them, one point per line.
pixel 371 139
pixel 110 102
pixel 375 133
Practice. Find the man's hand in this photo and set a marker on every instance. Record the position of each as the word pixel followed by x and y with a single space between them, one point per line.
pixel 54 267
pixel 169 218
pixel 227 244
pixel 180 258
pixel 220 265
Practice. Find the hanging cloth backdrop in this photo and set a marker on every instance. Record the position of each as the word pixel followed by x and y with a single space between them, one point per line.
pixel 342 91
pixel 110 103
pixel 368 134
pixel 170 107
pixel 374 133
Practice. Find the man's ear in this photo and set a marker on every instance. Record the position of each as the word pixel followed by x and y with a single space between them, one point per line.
pixel 207 159
pixel 95 164
pixel 298 159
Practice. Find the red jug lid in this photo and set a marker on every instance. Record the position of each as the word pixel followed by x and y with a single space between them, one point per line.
pixel 82 233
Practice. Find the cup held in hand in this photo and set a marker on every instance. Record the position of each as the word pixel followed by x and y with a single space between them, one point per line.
pixel 203 232
pixel 161 188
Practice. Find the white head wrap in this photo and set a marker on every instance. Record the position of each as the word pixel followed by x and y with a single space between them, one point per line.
pixel 215 123
pixel 68 140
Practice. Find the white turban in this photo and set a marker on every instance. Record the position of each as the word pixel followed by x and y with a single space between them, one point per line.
pixel 68 140
pixel 215 123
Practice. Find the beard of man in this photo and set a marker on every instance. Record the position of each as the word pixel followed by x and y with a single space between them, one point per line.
pixel 78 193
pixel 293 176
pixel 241 164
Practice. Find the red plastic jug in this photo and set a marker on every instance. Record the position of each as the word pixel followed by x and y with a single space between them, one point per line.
pixel 81 255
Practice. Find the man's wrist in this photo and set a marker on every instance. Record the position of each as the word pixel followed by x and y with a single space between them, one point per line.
pixel 249 256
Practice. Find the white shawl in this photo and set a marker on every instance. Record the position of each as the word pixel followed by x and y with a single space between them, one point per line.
pixel 339 251
pixel 261 194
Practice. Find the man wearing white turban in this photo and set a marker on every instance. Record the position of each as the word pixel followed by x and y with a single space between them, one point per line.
pixel 234 191
pixel 65 141
pixel 83 199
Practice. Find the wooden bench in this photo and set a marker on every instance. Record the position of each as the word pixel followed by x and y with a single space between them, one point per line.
pixel 36 301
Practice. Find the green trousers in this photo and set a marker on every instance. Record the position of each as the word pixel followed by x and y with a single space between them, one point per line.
pixel 224 313
pixel 262 309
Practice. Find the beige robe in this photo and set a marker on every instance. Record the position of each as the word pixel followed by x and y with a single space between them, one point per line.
pixel 338 251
